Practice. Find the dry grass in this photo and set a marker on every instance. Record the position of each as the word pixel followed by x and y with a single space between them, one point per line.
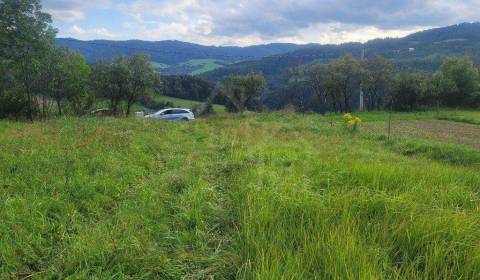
pixel 437 130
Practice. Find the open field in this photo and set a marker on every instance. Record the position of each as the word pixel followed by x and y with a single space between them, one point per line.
pixel 466 116
pixel 185 103
pixel 204 65
pixel 177 102
pixel 436 130
pixel 263 196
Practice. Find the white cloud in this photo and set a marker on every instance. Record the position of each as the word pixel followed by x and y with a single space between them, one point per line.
pixel 325 21
pixel 71 10
pixel 244 22
pixel 67 15
pixel 92 33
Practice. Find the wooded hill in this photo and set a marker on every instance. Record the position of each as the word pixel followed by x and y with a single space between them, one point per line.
pixel 173 57
pixel 422 51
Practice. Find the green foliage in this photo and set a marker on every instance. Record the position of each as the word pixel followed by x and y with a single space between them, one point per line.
pixel 337 82
pixel 65 75
pixel 407 91
pixel 26 35
pixel 457 82
pixel 241 89
pixel 377 73
pixel 141 78
pixel 431 47
pixel 102 82
pixel 188 87
pixel 126 79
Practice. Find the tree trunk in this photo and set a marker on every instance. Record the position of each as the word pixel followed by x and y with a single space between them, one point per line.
pixel 59 107
pixel 30 102
pixel 129 106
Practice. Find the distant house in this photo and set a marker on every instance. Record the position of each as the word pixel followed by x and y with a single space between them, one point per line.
pixel 411 49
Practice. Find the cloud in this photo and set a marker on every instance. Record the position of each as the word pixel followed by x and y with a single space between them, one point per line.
pixel 92 33
pixel 299 20
pixel 243 22
pixel 71 10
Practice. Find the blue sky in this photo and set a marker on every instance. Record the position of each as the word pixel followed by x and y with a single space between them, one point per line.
pixel 247 22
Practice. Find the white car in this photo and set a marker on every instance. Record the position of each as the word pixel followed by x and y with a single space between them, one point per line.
pixel 173 114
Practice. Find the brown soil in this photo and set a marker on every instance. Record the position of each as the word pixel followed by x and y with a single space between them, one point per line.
pixel 442 131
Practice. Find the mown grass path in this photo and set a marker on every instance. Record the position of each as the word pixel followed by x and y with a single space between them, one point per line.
pixel 271 196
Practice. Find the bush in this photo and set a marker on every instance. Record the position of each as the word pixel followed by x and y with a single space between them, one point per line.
pixel 351 122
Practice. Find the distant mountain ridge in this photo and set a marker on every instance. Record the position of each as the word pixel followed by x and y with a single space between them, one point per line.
pixel 422 51
pixel 174 56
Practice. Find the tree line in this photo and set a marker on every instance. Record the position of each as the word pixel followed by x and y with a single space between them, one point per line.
pixel 336 86
pixel 38 79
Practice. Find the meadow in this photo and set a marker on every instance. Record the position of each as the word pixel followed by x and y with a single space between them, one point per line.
pixel 261 196
pixel 177 102
pixel 203 65
pixel 185 103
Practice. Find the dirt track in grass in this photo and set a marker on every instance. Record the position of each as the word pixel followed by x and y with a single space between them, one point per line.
pixel 437 130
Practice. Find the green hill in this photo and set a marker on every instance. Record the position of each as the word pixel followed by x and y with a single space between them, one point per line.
pixel 174 57
pixel 419 51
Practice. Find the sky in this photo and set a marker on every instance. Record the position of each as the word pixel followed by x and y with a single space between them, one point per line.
pixel 249 22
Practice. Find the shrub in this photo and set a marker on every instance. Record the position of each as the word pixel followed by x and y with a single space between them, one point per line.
pixel 351 122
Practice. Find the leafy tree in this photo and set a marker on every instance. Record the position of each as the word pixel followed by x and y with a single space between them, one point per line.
pixel 141 78
pixel 324 86
pixel 440 87
pixel 294 76
pixel 80 97
pixel 190 87
pixel 26 35
pixel 345 74
pixel 377 72
pixel 458 81
pixel 64 75
pixel 109 80
pixel 241 89
pixel 407 91
pixel 126 79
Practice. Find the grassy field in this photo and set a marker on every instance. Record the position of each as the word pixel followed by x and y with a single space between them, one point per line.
pixel 205 65
pixel 472 116
pixel 263 196
pixel 185 103
pixel 177 102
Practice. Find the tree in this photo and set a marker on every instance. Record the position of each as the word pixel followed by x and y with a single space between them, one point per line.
pixel 141 78
pixel 127 79
pixel 407 91
pixel 64 75
pixel 79 96
pixel 324 86
pixel 26 35
pixel 294 76
pixel 241 89
pixel 460 81
pixel 110 81
pixel 376 74
pixel 345 77
pixel 440 86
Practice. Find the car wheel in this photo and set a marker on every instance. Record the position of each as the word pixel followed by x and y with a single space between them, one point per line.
pixel 185 119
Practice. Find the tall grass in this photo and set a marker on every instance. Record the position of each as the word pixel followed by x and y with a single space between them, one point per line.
pixel 257 197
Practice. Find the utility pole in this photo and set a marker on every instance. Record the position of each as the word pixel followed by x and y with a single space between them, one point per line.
pixel 362 102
